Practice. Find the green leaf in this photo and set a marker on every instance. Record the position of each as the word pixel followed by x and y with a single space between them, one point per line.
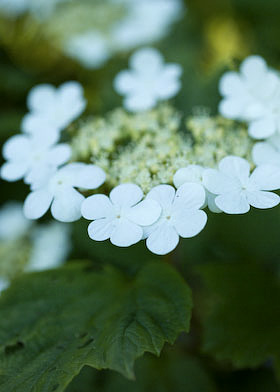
pixel 242 321
pixel 175 371
pixel 54 323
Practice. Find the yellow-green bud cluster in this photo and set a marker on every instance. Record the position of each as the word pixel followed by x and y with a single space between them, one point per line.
pixel 148 148
pixel 14 256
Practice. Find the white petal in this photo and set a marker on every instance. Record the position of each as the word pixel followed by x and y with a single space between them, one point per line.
pixel 163 194
pixel 37 204
pixel 70 97
pixel 189 196
pixel 126 195
pixel 261 199
pixel 211 202
pixel 38 125
pixel 101 229
pixel 97 207
pixel 218 183
pixel 145 213
pixel 146 60
pixel 126 233
pixel 264 153
pixel 66 206
pixel 233 203
pixel 41 96
pixel 191 173
pixel 190 223
pixel 16 148
pixel 263 128
pixel 253 68
pixel 140 101
pixel 267 177
pixel 124 82
pixel 13 171
pixel 163 240
pixel 231 108
pixel 168 83
pixel 235 167
pixel 87 176
pixel 60 154
pixel 231 84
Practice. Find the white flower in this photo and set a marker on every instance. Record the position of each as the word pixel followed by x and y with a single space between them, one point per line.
pixel 59 193
pixel 121 216
pixel 91 49
pixel 39 8
pixel 149 80
pixel 13 223
pixel 4 284
pixel 146 21
pixel 253 96
pixel 53 109
pixel 268 151
pixel 50 246
pixel 30 155
pixel 194 173
pixel 181 216
pixel 237 189
pixel 13 7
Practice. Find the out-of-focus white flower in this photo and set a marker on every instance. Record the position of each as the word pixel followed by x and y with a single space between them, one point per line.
pixel 121 216
pixel 59 193
pixel 181 216
pixel 194 174
pixel 237 189
pixel 53 109
pixel 39 8
pixel 30 155
pixel 50 246
pixel 146 22
pixel 13 223
pixel 91 49
pixel 253 95
pixel 4 284
pixel 268 151
pixel 148 81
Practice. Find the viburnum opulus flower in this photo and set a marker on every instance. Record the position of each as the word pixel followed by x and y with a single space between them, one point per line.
pixel 120 217
pixel 150 80
pixel 29 155
pixel 253 95
pixel 267 151
pixel 194 173
pixel 13 224
pixel 58 191
pixel 237 189
pixel 181 216
pixel 53 109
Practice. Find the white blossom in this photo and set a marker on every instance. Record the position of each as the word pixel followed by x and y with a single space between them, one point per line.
pixel 39 8
pixel 236 189
pixel 90 48
pixel 181 216
pixel 13 223
pixel 253 95
pixel 29 155
pixel 4 284
pixel 267 151
pixel 148 81
pixel 59 193
pixel 121 216
pixel 194 173
pixel 146 22
pixel 53 109
pixel 51 245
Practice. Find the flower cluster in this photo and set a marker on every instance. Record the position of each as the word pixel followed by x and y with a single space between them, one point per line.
pixel 160 173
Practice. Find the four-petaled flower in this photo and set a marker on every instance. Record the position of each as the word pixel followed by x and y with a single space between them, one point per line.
pixel 253 96
pixel 148 81
pixel 236 189
pixel 194 173
pixel 268 151
pixel 31 155
pixel 59 193
pixel 181 216
pixel 51 109
pixel 120 217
